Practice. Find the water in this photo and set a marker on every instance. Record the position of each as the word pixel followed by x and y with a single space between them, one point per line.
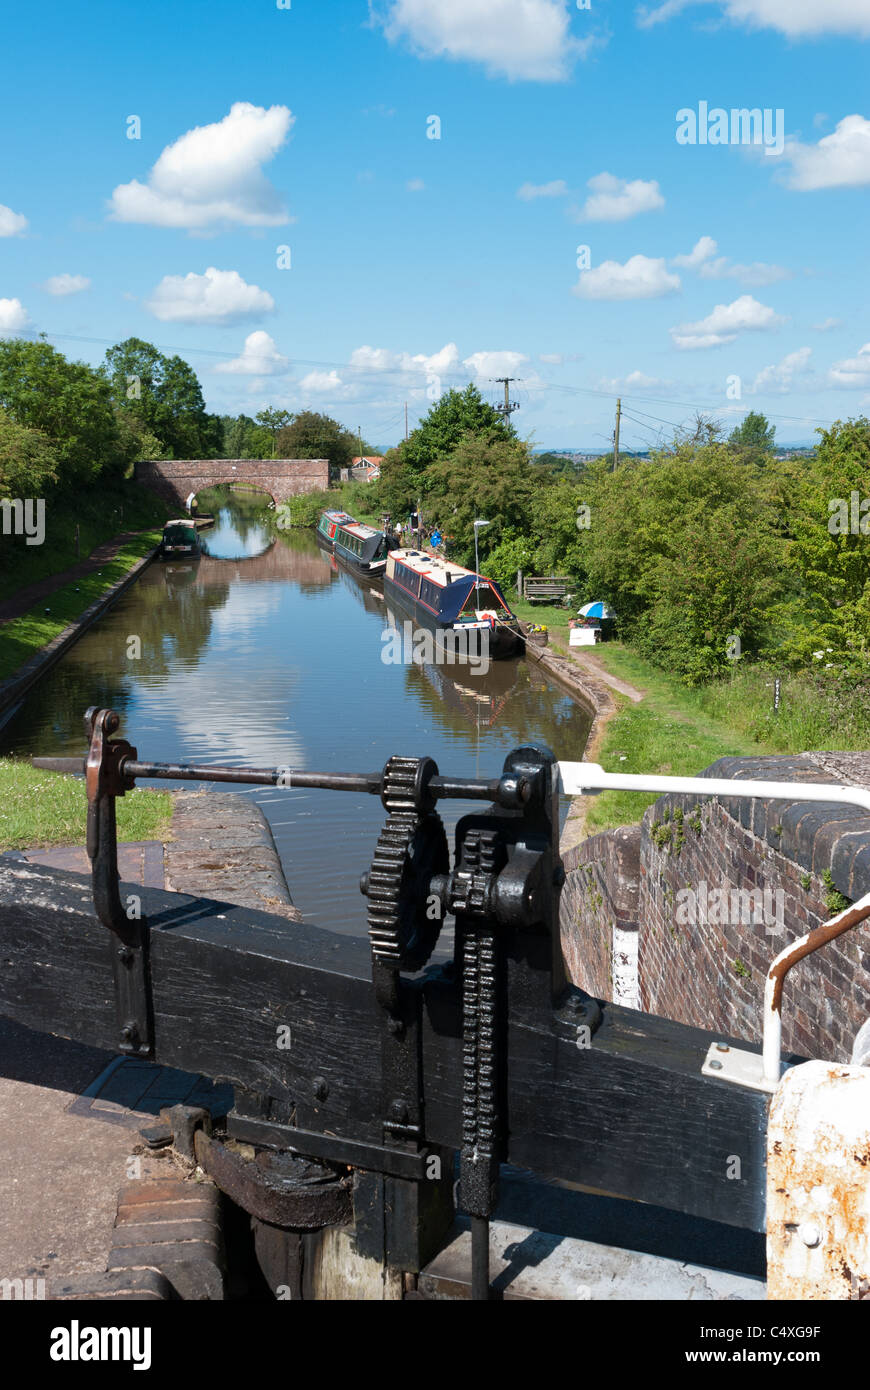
pixel 264 653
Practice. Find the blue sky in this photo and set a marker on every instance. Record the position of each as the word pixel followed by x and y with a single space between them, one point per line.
pixel 720 276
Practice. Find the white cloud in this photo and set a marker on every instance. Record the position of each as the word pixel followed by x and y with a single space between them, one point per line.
pixel 755 275
pixel 415 185
pixel 641 277
pixel 854 371
pixel 259 357
pixel 492 364
pixel 66 284
pixel 709 266
pixel 518 39
pixel 12 223
pixel 780 378
pixel 615 200
pixel 553 359
pixel 725 321
pixel 826 325
pixel 703 249
pixel 839 160
pixel 635 381
pixel 557 188
pixel 370 359
pixel 212 176
pixel 218 296
pixel 795 18
pixel 322 383
pixel 13 317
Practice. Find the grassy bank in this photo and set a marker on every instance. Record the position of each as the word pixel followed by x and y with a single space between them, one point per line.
pixel 355 498
pixel 679 731
pixel 100 514
pixel 38 809
pixel 22 637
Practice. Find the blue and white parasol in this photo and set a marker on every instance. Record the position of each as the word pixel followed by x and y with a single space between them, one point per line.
pixel 596 610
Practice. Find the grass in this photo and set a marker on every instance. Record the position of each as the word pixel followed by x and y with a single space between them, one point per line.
pixel 100 513
pixel 668 732
pixel 22 637
pixel 38 809
pixel 680 731
pixel 556 619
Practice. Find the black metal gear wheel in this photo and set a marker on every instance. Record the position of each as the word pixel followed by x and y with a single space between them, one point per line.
pixel 403 927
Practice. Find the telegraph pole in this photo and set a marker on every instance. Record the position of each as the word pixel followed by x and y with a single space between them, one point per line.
pixel 616 435
pixel 509 406
pixel 406 420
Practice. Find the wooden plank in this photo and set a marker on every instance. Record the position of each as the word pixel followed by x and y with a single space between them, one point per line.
pixel 630 1115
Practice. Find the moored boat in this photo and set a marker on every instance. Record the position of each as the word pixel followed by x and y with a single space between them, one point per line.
pixel 454 600
pixel 362 548
pixel 328 525
pixel 180 539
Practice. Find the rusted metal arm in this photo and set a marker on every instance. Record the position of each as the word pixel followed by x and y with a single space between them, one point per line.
pixel 844 921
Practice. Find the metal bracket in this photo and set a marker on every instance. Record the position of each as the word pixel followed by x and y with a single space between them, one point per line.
pixel 740 1067
pixel 105 780
pixel 400 1163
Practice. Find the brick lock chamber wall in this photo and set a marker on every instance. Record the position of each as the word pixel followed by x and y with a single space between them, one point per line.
pixel 682 915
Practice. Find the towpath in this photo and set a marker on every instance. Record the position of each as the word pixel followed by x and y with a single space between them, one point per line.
pixel 24 599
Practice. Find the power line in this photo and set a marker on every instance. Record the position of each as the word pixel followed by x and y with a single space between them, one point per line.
pixel 403 371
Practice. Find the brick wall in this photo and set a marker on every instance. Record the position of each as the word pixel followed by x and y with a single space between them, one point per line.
pixel 719 888
pixel 599 902
pixel 175 479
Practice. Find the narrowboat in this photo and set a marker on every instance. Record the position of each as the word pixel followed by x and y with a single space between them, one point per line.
pixel 179 538
pixel 327 526
pixel 362 548
pixel 451 599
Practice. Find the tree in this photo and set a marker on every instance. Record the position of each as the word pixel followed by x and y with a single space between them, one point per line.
pixel 828 528
pixel 314 436
pixel 28 460
pixel 753 437
pixel 454 415
pixel 164 395
pixel 69 402
pixel 274 420
pixel 488 478
pixel 687 550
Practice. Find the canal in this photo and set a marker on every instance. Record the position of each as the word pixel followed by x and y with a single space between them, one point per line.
pixel 263 652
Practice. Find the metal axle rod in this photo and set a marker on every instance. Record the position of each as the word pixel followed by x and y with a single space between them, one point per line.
pixel 504 791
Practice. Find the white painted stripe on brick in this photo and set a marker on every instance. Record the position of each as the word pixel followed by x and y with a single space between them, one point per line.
pixel 624 966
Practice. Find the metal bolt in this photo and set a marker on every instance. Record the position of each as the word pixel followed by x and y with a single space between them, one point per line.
pixel 321 1090
pixel 810 1234
pixel 399 1111
pixel 128 1032
pixel 125 955
pixel 722 1047
pixel 715 1066
pixel 396 1027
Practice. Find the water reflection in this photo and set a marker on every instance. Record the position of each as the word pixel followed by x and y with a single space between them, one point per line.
pixel 269 654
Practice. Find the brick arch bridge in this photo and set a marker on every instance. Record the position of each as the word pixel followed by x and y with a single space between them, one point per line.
pixel 175 479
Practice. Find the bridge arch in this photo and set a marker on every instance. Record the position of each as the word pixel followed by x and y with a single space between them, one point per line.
pixel 175 479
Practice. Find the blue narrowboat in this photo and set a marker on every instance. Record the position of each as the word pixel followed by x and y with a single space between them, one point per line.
pixel 448 598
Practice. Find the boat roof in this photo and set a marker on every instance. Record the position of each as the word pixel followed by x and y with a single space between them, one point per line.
pixel 338 516
pixel 435 568
pixel 359 528
pixel 179 521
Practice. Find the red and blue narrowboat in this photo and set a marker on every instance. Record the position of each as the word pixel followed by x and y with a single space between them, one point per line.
pixel 328 525
pixel 448 598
